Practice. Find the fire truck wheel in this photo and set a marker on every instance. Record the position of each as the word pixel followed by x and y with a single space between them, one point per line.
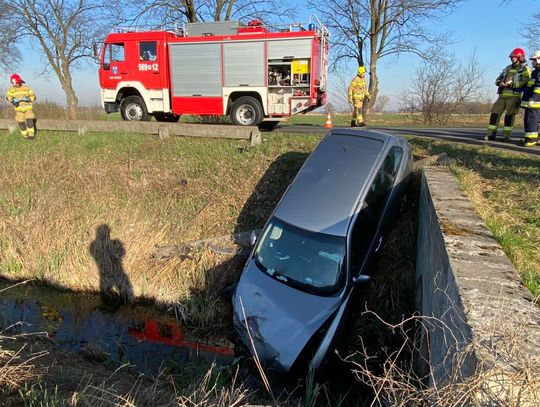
pixel 246 111
pixel 133 108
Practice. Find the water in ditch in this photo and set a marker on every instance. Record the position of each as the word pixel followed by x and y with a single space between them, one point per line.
pixel 137 335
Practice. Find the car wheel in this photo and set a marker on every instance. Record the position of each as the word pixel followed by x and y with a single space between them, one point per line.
pixel 246 111
pixel 133 108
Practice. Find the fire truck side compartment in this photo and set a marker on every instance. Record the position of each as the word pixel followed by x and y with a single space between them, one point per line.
pixel 196 78
pixel 289 49
pixel 244 64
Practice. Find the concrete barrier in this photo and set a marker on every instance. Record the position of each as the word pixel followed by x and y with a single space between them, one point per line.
pixel 163 130
pixel 477 314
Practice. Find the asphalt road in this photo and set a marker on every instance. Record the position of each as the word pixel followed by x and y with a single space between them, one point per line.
pixel 473 136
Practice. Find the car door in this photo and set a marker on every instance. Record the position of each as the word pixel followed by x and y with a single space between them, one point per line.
pixel 371 225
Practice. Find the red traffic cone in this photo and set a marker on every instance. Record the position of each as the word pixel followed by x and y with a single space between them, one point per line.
pixel 328 124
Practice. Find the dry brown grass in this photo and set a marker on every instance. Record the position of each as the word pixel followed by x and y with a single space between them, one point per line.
pixel 16 368
pixel 57 194
pixel 512 381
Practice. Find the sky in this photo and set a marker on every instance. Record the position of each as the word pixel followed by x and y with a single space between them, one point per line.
pixel 486 27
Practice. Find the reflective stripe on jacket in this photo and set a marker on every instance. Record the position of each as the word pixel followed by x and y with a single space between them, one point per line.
pixel 518 75
pixel 20 93
pixel 531 91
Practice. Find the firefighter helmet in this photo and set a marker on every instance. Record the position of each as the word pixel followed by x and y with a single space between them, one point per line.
pixel 518 53
pixel 536 55
pixel 361 70
pixel 15 79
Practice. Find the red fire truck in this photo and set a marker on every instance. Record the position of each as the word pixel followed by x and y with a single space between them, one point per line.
pixel 255 75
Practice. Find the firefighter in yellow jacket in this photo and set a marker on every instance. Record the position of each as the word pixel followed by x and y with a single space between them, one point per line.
pixel 358 92
pixel 510 85
pixel 22 97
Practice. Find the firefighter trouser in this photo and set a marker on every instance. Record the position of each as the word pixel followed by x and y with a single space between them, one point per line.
pixel 532 116
pixel 511 106
pixel 357 116
pixel 25 120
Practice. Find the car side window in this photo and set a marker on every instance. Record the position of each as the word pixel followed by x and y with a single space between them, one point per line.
pixel 383 183
pixel 363 233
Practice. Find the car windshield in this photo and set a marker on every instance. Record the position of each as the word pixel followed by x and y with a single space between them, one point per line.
pixel 306 260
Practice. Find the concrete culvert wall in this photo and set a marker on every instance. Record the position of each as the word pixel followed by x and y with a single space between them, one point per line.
pixel 477 315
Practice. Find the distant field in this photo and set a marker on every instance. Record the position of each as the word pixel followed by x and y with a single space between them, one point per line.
pixel 389 119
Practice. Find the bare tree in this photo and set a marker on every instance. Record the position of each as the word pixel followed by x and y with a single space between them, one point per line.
pixel 167 12
pixel 443 88
pixel 532 32
pixel 382 102
pixel 8 40
pixel 380 28
pixel 63 31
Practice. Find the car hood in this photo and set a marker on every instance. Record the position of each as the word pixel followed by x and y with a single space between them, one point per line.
pixel 281 319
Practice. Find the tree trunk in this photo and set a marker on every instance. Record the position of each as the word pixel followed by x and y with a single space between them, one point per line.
pixel 72 100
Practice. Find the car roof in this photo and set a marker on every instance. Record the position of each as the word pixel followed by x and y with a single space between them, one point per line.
pixel 326 191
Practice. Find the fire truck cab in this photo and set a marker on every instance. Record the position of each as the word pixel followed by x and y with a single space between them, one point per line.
pixel 254 75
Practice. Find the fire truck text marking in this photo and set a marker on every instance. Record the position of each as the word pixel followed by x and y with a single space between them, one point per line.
pixel 148 67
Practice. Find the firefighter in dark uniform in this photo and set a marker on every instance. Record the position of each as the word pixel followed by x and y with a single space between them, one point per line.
pixel 510 85
pixel 22 97
pixel 531 102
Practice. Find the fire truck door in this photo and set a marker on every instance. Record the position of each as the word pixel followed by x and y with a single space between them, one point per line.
pixel 114 68
pixel 148 67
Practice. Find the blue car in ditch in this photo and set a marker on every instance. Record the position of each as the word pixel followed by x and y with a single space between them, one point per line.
pixel 313 254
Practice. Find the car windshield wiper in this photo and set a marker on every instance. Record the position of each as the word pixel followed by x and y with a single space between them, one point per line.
pixel 287 280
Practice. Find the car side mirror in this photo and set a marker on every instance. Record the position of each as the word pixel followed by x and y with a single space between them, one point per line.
pixel 360 279
pixel 252 238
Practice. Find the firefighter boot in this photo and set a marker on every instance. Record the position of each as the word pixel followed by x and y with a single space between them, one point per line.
pixel 529 141
pixel 30 127
pixel 508 126
pixel 23 129
pixel 353 123
pixel 492 128
pixel 491 135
